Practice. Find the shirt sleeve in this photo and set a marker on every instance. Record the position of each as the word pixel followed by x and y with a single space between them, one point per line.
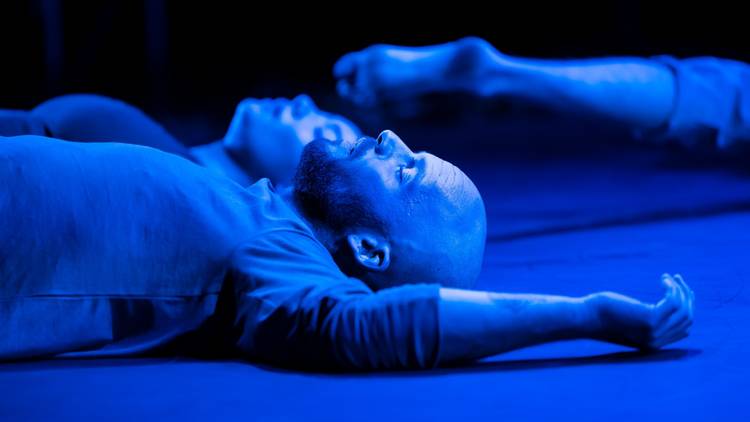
pixel 295 308
pixel 712 103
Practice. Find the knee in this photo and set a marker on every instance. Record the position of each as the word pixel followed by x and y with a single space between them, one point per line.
pixel 86 116
pixel 74 102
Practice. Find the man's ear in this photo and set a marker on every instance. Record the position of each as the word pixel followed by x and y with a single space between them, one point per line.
pixel 372 252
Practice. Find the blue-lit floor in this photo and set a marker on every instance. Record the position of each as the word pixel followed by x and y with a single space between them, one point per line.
pixel 567 226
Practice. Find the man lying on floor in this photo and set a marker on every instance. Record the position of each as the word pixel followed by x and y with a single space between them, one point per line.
pixel 364 262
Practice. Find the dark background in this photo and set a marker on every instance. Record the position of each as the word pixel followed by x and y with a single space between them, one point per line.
pixel 189 63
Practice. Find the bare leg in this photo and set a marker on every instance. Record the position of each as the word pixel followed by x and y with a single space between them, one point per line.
pixel 634 91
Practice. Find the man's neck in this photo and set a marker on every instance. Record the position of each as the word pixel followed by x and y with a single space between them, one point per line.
pixel 321 233
pixel 215 157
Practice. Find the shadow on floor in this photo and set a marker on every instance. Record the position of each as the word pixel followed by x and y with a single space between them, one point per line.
pixel 618 358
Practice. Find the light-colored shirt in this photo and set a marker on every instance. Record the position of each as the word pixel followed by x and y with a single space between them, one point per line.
pixel 110 250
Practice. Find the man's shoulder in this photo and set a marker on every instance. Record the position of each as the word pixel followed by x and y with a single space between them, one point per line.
pixel 283 242
pixel 284 261
pixel 273 215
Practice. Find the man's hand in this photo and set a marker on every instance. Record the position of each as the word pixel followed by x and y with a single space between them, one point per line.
pixel 626 321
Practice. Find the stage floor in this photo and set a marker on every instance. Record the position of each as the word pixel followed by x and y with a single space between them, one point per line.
pixel 568 225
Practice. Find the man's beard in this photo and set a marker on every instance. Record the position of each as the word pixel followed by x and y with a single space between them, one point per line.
pixel 325 193
pixel 316 176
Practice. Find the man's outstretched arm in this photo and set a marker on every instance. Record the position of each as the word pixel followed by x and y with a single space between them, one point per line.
pixel 294 308
pixel 477 324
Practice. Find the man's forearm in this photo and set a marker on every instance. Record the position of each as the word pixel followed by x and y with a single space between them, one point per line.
pixel 477 324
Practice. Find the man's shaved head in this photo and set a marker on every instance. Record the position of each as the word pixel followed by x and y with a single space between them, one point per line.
pixel 391 216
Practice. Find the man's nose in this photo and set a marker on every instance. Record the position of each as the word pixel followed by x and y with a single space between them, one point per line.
pixel 389 139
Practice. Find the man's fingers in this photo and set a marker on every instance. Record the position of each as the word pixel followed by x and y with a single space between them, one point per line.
pixel 669 340
pixel 675 334
pixel 664 311
pixel 675 311
pixel 684 285
pixel 670 285
pixel 673 321
pixel 672 336
pixel 687 296
pixel 684 326
pixel 679 320
pixel 668 282
pixel 670 302
pixel 676 316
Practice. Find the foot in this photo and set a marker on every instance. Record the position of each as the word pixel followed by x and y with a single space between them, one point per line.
pixel 391 73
